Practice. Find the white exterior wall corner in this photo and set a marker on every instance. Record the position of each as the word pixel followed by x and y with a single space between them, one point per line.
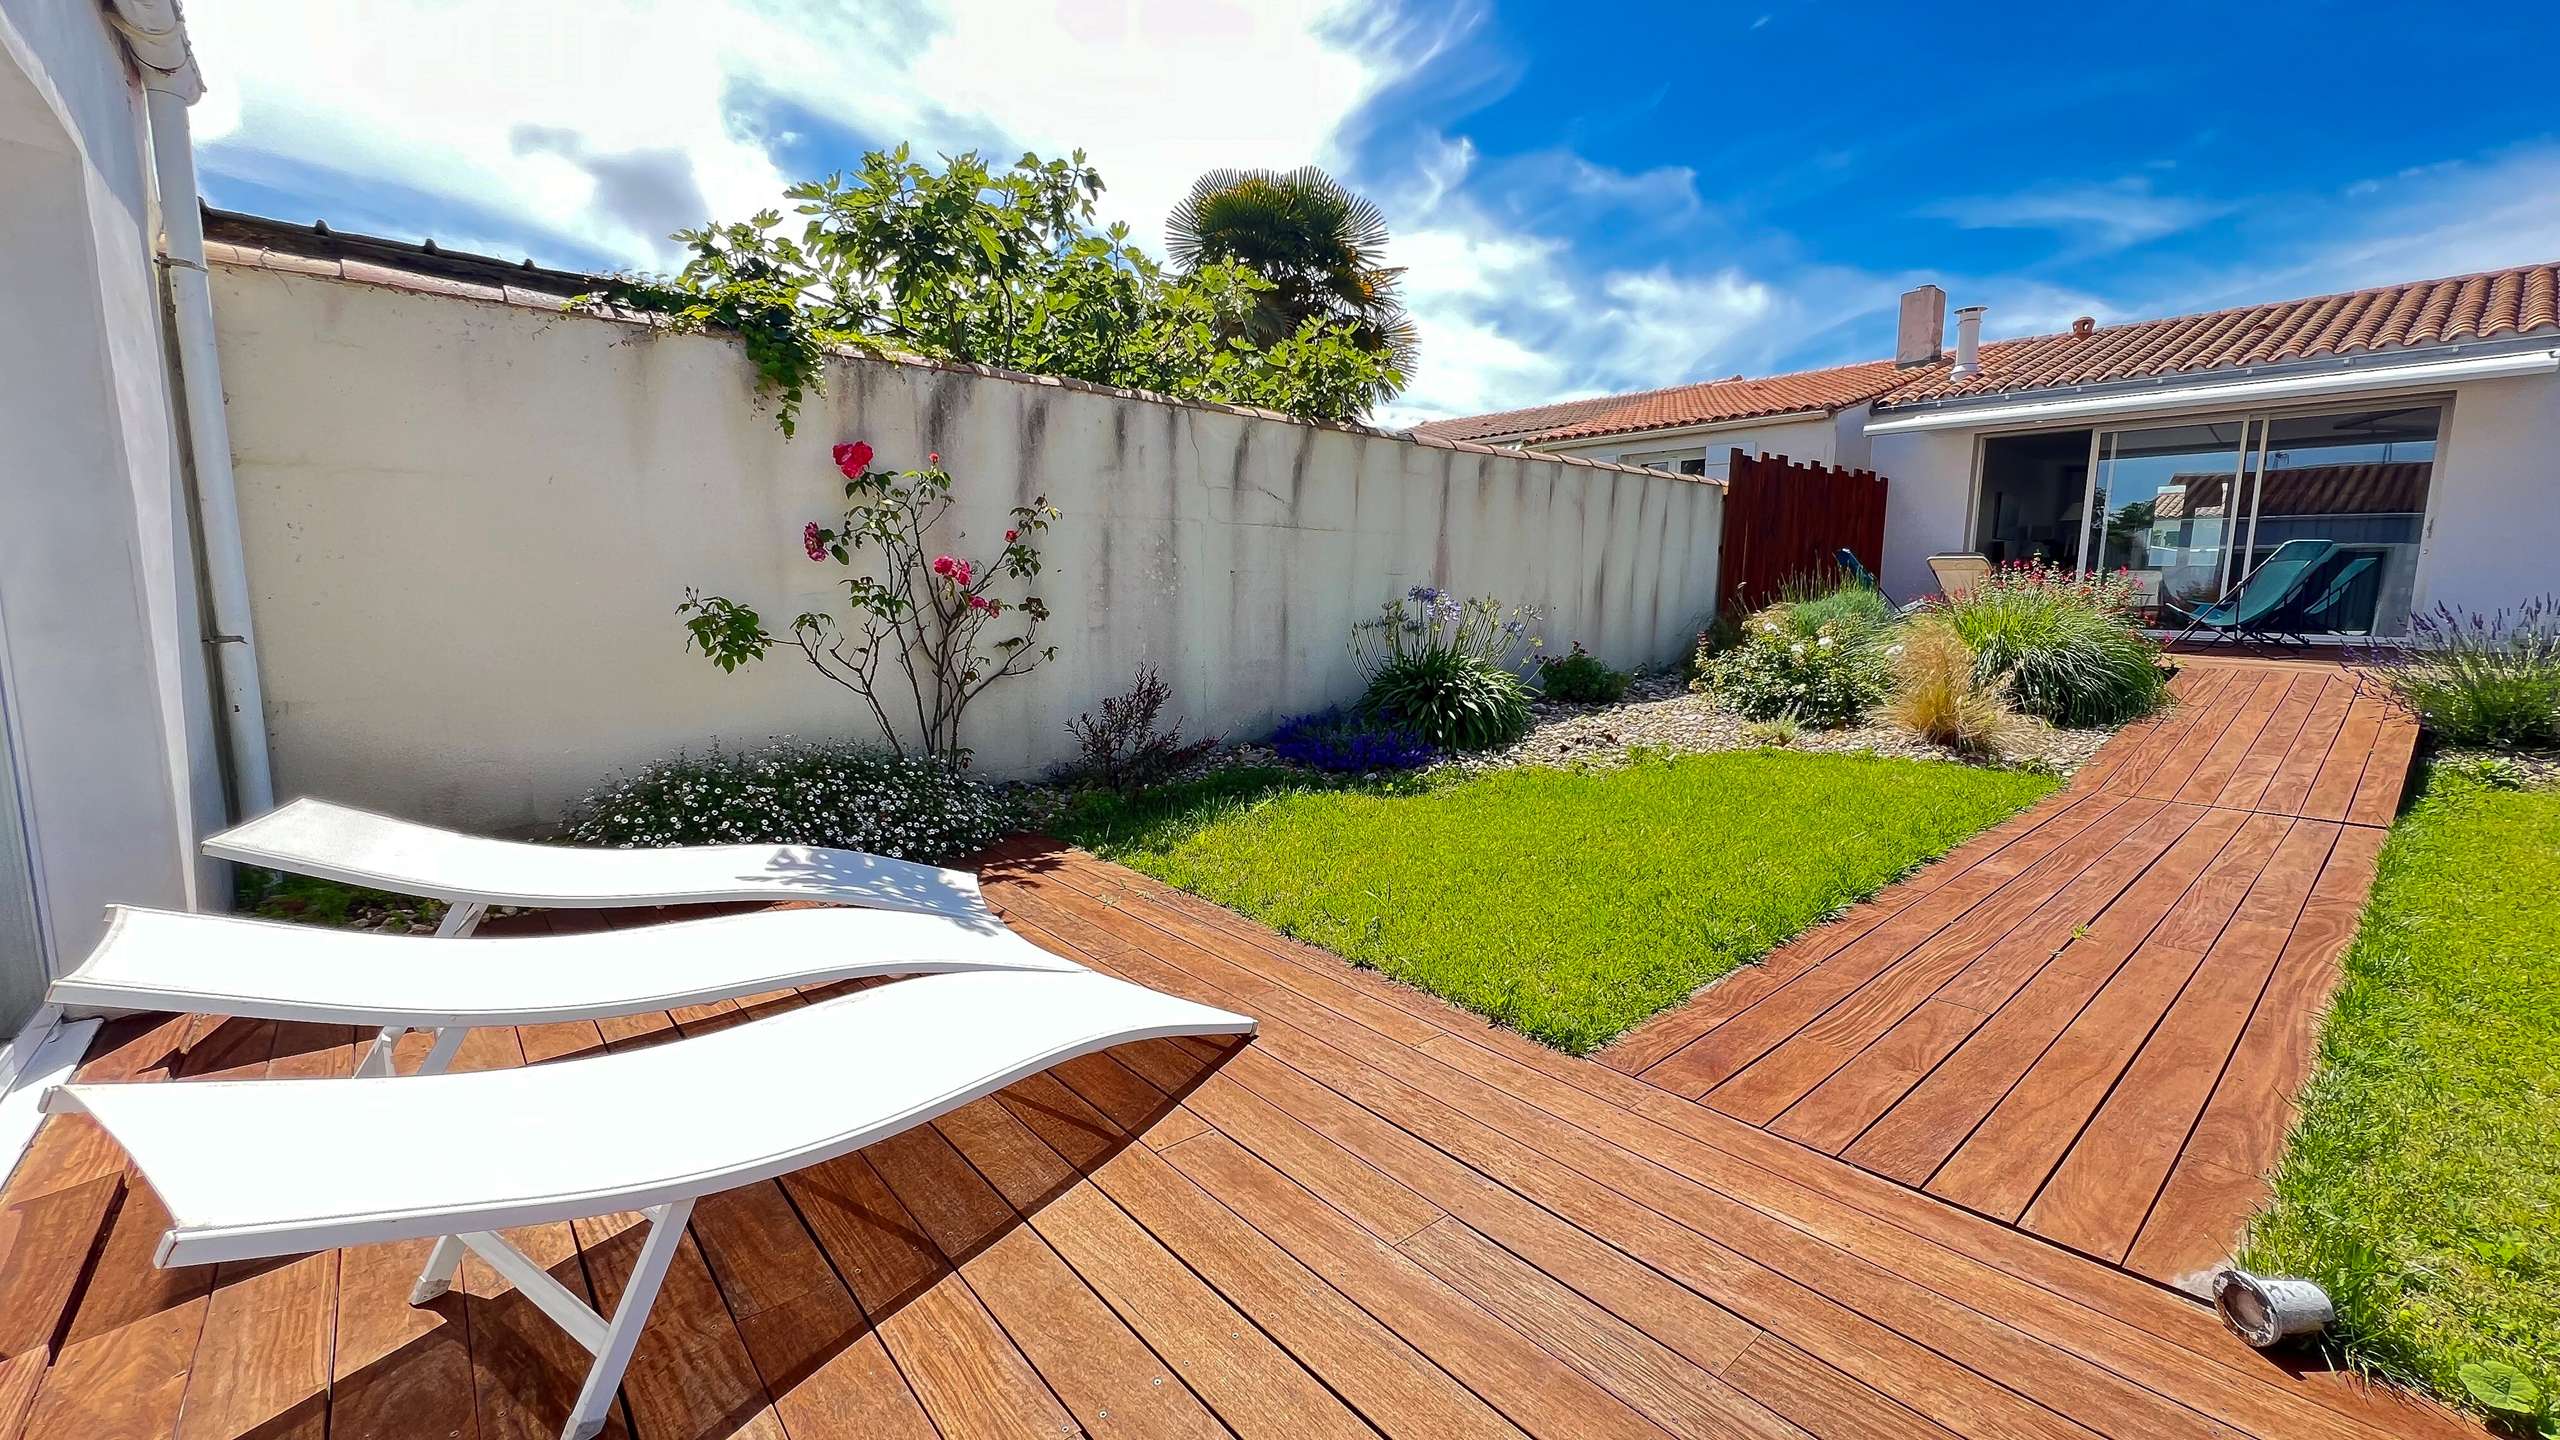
pixel 468 524
pixel 105 675
pixel 2493 505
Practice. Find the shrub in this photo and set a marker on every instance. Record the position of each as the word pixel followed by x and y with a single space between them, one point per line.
pixel 1123 750
pixel 1456 702
pixel 1941 696
pixel 1832 677
pixel 1580 678
pixel 796 793
pixel 1349 743
pixel 1848 607
pixel 2068 646
pixel 1442 667
pixel 2482 679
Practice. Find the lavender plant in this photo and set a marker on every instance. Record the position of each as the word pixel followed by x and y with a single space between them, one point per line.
pixel 2481 678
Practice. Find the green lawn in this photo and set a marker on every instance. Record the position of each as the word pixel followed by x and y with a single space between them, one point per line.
pixel 2422 1185
pixel 1568 904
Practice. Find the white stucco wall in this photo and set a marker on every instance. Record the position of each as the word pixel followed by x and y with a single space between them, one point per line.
pixel 1809 440
pixel 100 654
pixel 469 523
pixel 2493 508
pixel 2493 532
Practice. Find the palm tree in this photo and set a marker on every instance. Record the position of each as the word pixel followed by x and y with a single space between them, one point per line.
pixel 1317 243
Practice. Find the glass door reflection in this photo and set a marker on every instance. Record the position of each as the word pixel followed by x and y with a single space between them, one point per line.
pixel 2167 505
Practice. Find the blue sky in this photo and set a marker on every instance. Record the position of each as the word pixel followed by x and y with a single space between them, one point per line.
pixel 1588 198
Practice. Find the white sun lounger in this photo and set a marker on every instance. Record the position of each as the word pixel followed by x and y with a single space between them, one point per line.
pixel 470 873
pixel 250 1169
pixel 266 970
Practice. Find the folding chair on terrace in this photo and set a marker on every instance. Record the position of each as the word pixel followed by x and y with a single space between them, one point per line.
pixel 470 873
pixel 251 1169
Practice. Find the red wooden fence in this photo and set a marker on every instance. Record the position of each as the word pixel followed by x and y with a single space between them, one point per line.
pixel 1784 520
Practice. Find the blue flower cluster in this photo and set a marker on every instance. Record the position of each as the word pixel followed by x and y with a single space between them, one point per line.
pixel 1347 744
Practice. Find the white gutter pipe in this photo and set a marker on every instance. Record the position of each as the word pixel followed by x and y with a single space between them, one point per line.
pixel 156 35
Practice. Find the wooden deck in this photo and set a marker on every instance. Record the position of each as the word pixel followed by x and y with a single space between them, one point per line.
pixel 1380 1216
pixel 2090 1022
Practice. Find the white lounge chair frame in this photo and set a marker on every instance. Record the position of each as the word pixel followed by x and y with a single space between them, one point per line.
pixel 470 873
pixel 250 1169
pixel 152 960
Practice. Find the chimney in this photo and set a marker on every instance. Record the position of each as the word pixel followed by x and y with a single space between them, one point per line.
pixel 1924 326
pixel 1968 342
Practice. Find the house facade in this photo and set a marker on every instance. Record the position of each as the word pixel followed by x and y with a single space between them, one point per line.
pixel 2411 427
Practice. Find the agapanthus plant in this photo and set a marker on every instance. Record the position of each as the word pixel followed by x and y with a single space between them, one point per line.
pixel 1427 621
pixel 935 615
pixel 1448 669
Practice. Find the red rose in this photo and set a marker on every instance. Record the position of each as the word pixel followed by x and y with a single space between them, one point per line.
pixel 811 542
pixel 853 459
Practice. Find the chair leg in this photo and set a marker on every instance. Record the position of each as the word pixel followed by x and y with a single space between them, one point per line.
pixel 460 919
pixel 378 1057
pixel 595 1399
pixel 437 1277
pixel 440 1054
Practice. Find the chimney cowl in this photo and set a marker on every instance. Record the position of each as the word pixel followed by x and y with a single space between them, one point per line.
pixel 1919 338
pixel 1968 342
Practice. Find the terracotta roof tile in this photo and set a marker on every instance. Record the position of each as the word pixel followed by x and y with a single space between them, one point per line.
pixel 2488 306
pixel 2493 305
pixel 1706 403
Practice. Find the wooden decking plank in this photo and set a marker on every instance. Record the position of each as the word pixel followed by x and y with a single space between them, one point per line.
pixel 2386 770
pixel 2275 739
pixel 2035 1278
pixel 1834 1112
pixel 1817 1397
pixel 2103 1189
pixel 1648 1376
pixel 1771 1299
pixel 1246 1380
pixel 2310 751
pixel 2150 751
pixel 2217 1182
pixel 2181 758
pixel 1972 964
pixel 2123 766
pixel 1541 1393
pixel 1108 1378
pixel 1728 995
pixel 1789 1071
pixel 46 1241
pixel 2334 789
pixel 2223 753
pixel 2134 1327
pixel 968 1376
pixel 263 1365
pixel 1810 1316
pixel 1726 1050
pixel 1372 1368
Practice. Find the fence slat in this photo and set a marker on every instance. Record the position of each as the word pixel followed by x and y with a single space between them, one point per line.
pixel 1784 519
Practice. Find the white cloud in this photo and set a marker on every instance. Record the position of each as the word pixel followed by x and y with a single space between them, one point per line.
pixel 2111 216
pixel 601 121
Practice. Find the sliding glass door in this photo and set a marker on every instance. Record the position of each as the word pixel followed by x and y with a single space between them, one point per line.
pixel 2192 510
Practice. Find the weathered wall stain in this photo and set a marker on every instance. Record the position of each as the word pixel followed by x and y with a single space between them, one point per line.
pixel 554 491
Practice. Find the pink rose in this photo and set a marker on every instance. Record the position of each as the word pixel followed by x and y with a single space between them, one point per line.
pixel 960 574
pixel 812 542
pixel 853 459
pixel 933 457
pixel 945 565
pixel 1012 535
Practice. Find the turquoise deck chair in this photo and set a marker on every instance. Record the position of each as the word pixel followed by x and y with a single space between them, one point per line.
pixel 2320 603
pixel 2256 608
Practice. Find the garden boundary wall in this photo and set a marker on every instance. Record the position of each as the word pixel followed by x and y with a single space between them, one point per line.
pixel 469 517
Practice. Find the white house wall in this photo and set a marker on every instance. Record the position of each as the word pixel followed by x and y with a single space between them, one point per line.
pixel 104 674
pixel 2493 504
pixel 1808 440
pixel 469 523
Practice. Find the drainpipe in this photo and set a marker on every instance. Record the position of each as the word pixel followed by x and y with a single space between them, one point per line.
pixel 156 35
